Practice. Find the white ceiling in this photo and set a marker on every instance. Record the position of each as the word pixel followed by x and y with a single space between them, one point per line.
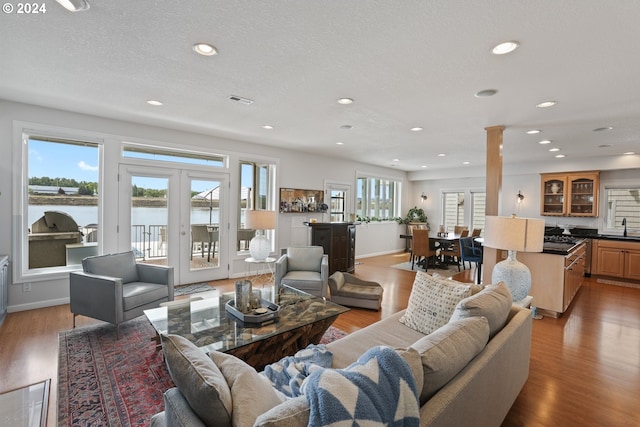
pixel 405 63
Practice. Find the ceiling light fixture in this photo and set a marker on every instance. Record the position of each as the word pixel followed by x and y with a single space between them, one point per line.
pixel 395 160
pixel 560 156
pixel 154 102
pixel 441 155
pixel 339 143
pixel 544 141
pixel 554 149
pixel 505 47
pixel 629 153
pixel 267 127
pixel 205 49
pixel 346 127
pixel 416 129
pixel 466 163
pixel 603 128
pixel 533 131
pixel 485 93
pixel 604 145
pixel 423 166
pixel 74 5
pixel 546 104
pixel 345 101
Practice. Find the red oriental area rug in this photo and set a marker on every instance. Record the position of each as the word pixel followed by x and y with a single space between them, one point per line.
pixel 107 382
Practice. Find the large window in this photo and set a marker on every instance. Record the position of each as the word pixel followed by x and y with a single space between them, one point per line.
pixel 478 205
pixel 61 222
pixel 621 204
pixel 452 209
pixel 377 198
pixel 257 191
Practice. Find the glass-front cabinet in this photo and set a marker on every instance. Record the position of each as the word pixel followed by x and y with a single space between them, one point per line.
pixel 570 194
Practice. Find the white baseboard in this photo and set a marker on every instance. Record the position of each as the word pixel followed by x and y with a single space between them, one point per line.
pixel 38 304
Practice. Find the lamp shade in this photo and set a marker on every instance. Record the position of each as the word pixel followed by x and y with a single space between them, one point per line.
pixel 514 234
pixel 260 220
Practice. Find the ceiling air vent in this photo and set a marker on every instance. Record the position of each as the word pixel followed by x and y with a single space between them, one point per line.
pixel 241 100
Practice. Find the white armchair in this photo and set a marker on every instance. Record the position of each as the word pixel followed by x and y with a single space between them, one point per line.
pixel 305 268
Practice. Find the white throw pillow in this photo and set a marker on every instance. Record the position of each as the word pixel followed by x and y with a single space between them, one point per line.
pixel 432 302
pixel 251 393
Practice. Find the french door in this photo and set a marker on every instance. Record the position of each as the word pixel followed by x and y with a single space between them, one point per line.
pixel 177 217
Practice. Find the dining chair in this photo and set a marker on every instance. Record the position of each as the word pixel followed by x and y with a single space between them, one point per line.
pixel 476 232
pixel 458 229
pixel 423 246
pixel 469 252
pixel 452 253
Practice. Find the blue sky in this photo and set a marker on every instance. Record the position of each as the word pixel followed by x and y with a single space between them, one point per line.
pixel 75 161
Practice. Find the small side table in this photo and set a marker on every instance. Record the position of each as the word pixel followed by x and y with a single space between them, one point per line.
pixel 262 273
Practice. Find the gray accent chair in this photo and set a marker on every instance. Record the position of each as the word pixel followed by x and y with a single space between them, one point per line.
pixel 305 268
pixel 115 288
pixel 347 289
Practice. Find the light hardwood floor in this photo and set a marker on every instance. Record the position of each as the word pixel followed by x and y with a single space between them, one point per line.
pixel 585 365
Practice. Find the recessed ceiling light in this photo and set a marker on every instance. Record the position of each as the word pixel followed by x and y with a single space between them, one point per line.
pixel 466 163
pixel 423 166
pixel 545 141
pixel 345 101
pixel 602 129
pixel 554 149
pixel 346 127
pixel 505 47
pixel 395 160
pixel 486 92
pixel 205 49
pixel 339 143
pixel 533 131
pixel 546 104
pixel 441 155
pixel 604 145
pixel 267 127
pixel 74 5
pixel 560 156
pixel 154 102
pixel 416 129
pixel 628 153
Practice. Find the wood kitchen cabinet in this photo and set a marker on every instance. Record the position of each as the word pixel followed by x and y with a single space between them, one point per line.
pixel 615 258
pixel 339 242
pixel 570 194
pixel 555 279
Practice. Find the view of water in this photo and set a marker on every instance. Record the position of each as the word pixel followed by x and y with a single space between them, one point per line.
pixel 85 215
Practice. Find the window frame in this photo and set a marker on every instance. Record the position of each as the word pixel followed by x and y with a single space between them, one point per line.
pixel 24 131
pixel 375 193
pixel 616 227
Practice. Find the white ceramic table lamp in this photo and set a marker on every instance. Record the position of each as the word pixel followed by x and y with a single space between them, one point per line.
pixel 260 246
pixel 513 234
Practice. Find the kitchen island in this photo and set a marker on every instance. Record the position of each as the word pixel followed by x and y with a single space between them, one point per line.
pixel 556 274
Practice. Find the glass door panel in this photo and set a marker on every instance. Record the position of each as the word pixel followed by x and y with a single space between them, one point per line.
pixel 204 239
pixel 150 218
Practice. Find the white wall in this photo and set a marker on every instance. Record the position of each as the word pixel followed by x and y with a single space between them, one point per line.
pixel 296 170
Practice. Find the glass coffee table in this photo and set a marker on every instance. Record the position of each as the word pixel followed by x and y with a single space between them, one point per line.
pixel 203 320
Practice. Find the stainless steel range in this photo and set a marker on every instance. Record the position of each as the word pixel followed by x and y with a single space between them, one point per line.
pixel 559 242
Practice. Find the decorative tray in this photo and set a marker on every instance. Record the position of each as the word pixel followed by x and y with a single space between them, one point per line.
pixel 255 316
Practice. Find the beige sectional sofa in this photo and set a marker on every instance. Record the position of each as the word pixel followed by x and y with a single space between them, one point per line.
pixel 473 366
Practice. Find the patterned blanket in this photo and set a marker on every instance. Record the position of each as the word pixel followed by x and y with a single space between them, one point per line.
pixel 288 373
pixel 377 390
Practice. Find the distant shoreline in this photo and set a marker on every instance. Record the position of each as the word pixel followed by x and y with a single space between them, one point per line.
pixel 65 200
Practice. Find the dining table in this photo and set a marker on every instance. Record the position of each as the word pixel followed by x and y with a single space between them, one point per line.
pixel 441 239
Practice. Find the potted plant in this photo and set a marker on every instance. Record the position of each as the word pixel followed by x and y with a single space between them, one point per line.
pixel 414 215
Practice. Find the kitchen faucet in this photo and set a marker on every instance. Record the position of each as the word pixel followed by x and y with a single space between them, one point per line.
pixel 624 222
